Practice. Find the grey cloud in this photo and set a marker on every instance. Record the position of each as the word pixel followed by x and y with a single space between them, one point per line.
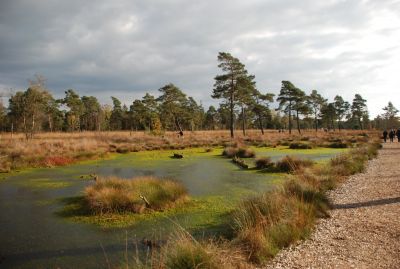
pixel 126 48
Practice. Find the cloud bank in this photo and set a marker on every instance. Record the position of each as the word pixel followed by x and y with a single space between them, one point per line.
pixel 126 48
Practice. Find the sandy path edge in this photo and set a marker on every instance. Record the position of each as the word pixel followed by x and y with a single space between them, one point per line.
pixel 364 228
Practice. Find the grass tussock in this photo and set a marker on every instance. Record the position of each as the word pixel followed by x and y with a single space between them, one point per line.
pixel 241 152
pixel 291 163
pixel 264 163
pixel 185 252
pixel 114 195
pixel 301 145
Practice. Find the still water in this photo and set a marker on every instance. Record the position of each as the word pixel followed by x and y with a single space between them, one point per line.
pixel 33 235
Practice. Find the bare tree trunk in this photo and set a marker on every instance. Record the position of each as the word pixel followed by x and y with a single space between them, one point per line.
pixel 231 114
pixel 261 125
pixel 178 126
pixel 290 119
pixel 243 121
pixel 24 121
pixel 316 123
pixel 298 121
pixel 50 123
pixel 33 125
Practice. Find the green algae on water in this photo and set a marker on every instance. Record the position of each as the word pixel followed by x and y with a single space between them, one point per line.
pixel 44 183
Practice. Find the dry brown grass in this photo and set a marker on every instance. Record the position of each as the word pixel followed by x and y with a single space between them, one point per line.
pixel 114 195
pixel 52 149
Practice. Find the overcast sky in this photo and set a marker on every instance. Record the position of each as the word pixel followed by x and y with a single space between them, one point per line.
pixel 127 48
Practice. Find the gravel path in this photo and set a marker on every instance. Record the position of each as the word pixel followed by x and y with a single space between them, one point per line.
pixel 364 228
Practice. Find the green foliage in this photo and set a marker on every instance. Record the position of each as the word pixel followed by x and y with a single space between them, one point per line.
pixel 292 99
pixel 234 85
pixel 316 102
pixel 359 110
pixel 341 108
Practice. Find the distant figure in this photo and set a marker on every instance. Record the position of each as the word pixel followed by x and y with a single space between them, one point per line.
pixel 398 134
pixel 385 134
pixel 391 135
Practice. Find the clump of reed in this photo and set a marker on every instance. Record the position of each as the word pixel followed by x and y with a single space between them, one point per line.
pixel 292 163
pixel 115 195
pixel 336 142
pixel 241 152
pixel 300 145
pixel 183 251
pixel 264 163
pixel 269 222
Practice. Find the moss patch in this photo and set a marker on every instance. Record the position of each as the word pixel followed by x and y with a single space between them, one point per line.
pixel 196 214
pixel 287 151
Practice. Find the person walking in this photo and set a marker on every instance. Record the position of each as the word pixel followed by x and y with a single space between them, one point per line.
pixel 398 134
pixel 391 135
pixel 385 134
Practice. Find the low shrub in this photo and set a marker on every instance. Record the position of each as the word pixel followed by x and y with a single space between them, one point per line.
pixel 113 195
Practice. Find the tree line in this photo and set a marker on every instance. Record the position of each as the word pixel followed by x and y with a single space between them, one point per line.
pixel 242 106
